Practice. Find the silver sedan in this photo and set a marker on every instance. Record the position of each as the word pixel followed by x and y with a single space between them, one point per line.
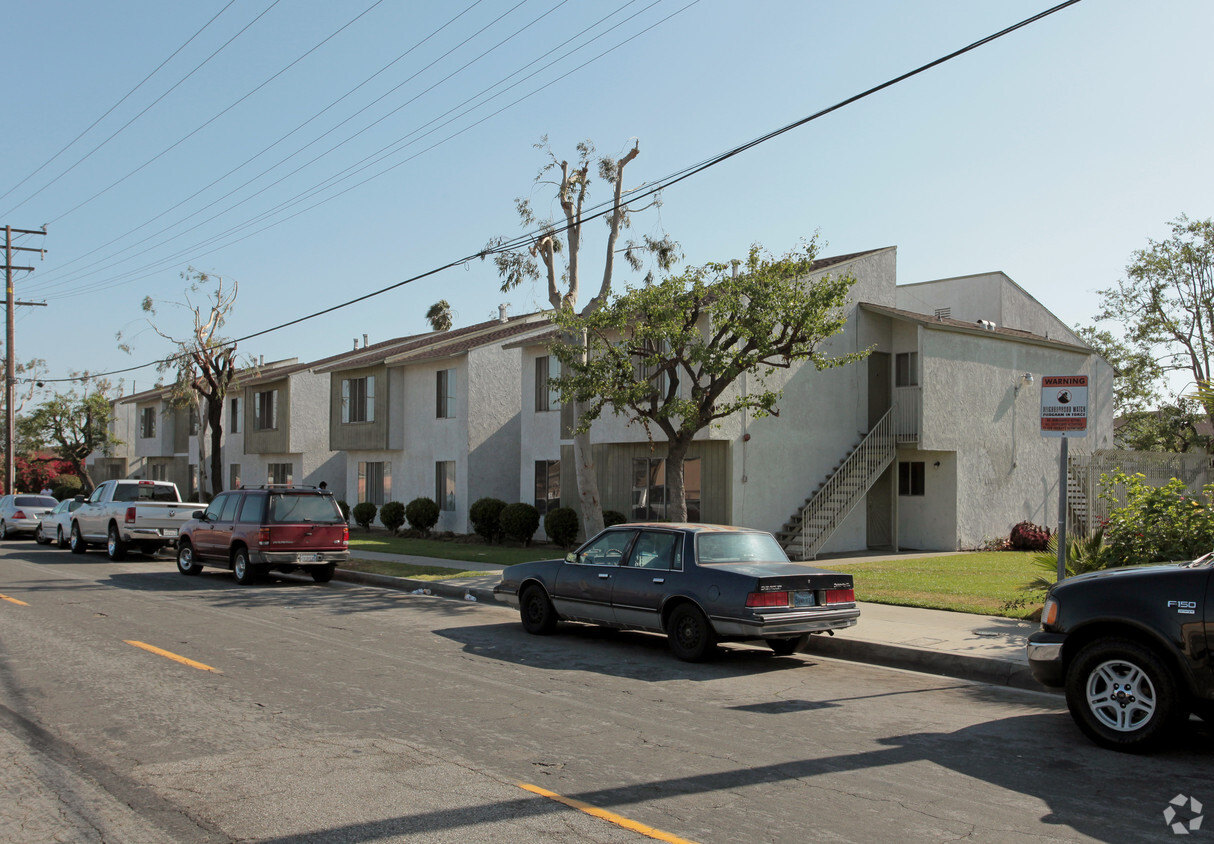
pixel 21 512
pixel 56 526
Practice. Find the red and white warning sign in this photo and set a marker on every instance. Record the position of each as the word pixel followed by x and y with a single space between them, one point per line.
pixel 1064 406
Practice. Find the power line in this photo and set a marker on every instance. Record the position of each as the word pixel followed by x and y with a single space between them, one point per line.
pixel 665 182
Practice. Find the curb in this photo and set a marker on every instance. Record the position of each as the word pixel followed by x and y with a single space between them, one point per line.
pixel 981 669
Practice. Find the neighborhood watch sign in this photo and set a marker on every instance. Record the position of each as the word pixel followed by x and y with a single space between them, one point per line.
pixel 1064 406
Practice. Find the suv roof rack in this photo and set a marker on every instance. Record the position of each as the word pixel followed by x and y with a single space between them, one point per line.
pixel 282 486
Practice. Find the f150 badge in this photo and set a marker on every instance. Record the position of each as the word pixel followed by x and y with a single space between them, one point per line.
pixel 1184 607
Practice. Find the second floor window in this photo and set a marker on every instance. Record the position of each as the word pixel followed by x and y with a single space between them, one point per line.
pixel 147 422
pixel 358 399
pixel 265 410
pixel 234 416
pixel 445 394
pixel 546 396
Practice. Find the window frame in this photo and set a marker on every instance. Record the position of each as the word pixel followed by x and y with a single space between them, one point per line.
pixel 358 400
pixel 264 412
pixel 444 392
pixel 445 485
pixel 912 478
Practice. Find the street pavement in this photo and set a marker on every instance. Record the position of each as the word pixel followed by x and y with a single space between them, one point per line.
pixel 982 648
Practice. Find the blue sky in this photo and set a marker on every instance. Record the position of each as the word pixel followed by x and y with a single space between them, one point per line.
pixel 1051 154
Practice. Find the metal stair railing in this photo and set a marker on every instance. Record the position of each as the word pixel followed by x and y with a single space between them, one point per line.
pixel 843 490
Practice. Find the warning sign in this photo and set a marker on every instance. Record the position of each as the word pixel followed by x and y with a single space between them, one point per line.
pixel 1064 406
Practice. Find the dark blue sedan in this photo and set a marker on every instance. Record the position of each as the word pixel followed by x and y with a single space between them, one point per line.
pixel 698 584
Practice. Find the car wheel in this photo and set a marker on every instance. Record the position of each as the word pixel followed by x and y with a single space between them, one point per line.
pixel 691 636
pixel 77 543
pixel 185 560
pixel 115 548
pixel 38 535
pixel 536 611
pixel 1122 695
pixel 323 574
pixel 786 647
pixel 60 539
pixel 244 571
pixel 3 531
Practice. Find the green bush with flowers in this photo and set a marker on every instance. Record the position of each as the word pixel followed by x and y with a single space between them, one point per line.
pixel 1157 524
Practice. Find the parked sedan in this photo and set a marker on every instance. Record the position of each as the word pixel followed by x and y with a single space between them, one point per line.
pixel 56 526
pixel 698 584
pixel 19 513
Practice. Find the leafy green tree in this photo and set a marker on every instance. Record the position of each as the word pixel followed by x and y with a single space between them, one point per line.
pixel 666 354
pixel 552 250
pixel 75 424
pixel 439 315
pixel 203 366
pixel 1165 309
pixel 1157 524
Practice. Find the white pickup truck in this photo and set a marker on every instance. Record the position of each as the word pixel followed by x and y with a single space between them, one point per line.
pixel 144 515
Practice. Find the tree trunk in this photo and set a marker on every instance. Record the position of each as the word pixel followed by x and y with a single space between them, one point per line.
pixel 589 501
pixel 676 490
pixel 215 419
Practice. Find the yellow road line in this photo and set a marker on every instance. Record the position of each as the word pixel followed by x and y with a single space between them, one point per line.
pixel 170 655
pixel 13 601
pixel 603 814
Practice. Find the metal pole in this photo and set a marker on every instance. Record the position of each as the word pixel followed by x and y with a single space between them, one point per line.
pixel 1061 537
pixel 9 360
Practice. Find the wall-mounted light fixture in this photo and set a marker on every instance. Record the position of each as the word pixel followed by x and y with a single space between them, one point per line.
pixel 937 464
pixel 1024 380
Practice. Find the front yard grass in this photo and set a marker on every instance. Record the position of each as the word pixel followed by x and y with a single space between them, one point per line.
pixel 984 582
pixel 444 549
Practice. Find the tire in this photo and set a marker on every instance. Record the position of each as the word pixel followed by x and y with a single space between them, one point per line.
pixel 39 537
pixel 1122 695
pixel 76 541
pixel 323 574
pixel 536 611
pixel 60 539
pixel 244 571
pixel 186 564
pixel 786 647
pixel 4 531
pixel 115 548
pixel 690 634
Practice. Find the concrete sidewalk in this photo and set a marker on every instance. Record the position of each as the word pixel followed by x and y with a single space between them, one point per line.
pixel 987 649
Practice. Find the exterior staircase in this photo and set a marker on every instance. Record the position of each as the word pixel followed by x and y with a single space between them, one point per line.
pixel 808 529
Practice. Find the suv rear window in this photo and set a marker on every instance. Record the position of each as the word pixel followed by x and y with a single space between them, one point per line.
pixel 288 508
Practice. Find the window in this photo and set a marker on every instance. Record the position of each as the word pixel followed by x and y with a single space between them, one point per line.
pixel 358 399
pixel 147 422
pixel 158 472
pixel 906 369
pixel 374 482
pixel 193 483
pixel 265 410
pixel 445 393
pixel 234 476
pixel 234 416
pixel 657 550
pixel 649 500
pixel 547 485
pixel 647 371
pixel 251 509
pixel 546 396
pixel 193 417
pixel 444 484
pixel 910 478
pixel 608 549
pixel 280 473
pixel 229 509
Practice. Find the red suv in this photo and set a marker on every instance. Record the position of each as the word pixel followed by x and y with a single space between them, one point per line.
pixel 258 529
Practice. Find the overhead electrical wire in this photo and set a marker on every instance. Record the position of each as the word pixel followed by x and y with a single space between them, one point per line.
pixel 603 209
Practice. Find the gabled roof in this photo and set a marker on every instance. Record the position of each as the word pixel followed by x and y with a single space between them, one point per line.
pixel 949 324
pixel 161 392
pixel 493 334
pixel 373 353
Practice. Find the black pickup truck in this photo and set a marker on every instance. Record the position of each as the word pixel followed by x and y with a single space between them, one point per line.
pixel 1132 647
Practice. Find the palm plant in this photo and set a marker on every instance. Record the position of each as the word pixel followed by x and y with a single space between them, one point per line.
pixel 1083 555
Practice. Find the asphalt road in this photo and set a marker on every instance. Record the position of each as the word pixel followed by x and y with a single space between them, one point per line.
pixel 343 713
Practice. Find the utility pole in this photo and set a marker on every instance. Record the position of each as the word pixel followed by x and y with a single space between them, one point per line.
pixel 10 379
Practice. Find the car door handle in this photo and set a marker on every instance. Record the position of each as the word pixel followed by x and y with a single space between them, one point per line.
pixel 604 576
pixel 659 580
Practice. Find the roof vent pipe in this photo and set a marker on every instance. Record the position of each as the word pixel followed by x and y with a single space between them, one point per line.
pixel 365 343
pixel 356 344
pixel 987 324
pixel 501 313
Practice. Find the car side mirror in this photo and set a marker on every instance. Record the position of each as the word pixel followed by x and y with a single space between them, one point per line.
pixel 80 498
pixel 200 515
pixel 571 557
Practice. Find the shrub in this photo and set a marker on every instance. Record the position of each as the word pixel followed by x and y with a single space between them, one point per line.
pixel 1027 536
pixel 392 516
pixel 422 514
pixel 344 506
pixel 613 517
pixel 1157 524
pixel 67 486
pixel 484 515
pixel 364 514
pixel 561 525
pixel 520 522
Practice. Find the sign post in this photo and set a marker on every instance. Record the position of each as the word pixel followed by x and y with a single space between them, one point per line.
pixel 1064 414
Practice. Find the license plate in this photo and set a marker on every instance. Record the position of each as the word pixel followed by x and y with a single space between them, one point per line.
pixel 170 531
pixel 309 558
pixel 803 598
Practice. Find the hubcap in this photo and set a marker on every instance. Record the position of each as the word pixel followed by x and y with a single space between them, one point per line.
pixel 240 567
pixel 1121 695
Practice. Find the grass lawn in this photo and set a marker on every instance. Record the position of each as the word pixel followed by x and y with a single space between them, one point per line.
pixel 982 582
pixel 443 549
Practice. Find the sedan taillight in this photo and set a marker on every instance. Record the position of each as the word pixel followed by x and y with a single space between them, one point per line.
pixel 767 599
pixel 20 514
pixel 840 596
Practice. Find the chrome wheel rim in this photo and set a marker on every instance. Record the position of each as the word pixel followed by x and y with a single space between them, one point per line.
pixel 240 566
pixel 1121 696
pixel 183 559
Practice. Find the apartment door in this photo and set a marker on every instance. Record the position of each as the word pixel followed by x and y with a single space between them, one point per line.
pixel 880 393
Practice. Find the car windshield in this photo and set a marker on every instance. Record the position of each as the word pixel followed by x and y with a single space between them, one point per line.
pixel 35 501
pixel 740 548
pixel 285 508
